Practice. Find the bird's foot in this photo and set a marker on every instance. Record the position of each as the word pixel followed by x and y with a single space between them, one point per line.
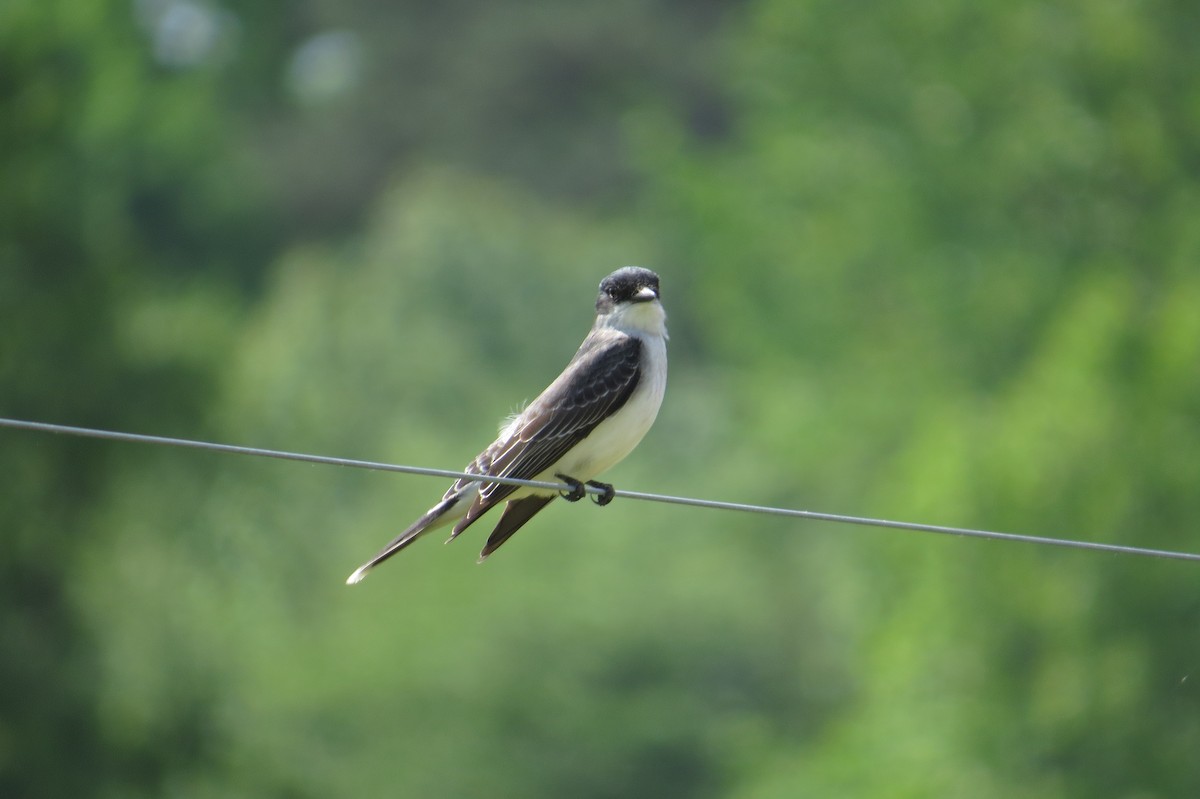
pixel 576 492
pixel 604 498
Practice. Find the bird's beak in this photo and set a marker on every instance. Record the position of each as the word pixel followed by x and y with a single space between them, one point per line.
pixel 645 294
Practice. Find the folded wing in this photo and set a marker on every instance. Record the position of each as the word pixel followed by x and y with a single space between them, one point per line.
pixel 600 381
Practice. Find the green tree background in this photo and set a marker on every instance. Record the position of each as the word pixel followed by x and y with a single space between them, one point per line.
pixel 927 260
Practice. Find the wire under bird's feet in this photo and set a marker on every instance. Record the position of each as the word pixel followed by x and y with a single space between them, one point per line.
pixel 712 504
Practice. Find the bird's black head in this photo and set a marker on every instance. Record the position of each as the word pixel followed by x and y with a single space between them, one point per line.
pixel 627 284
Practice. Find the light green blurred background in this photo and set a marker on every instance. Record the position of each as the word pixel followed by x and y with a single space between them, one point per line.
pixel 930 260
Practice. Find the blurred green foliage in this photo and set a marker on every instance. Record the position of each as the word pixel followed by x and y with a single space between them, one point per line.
pixel 931 261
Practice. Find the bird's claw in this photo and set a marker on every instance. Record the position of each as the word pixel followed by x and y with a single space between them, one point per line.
pixel 576 492
pixel 605 497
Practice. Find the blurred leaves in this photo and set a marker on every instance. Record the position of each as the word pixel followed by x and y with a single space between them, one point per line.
pixel 931 261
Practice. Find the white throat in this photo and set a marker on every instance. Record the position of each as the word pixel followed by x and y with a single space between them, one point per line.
pixel 640 319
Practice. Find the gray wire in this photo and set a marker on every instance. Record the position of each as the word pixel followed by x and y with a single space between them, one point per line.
pixel 44 427
pixel 138 438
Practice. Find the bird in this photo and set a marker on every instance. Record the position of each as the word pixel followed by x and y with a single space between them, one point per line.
pixel 581 425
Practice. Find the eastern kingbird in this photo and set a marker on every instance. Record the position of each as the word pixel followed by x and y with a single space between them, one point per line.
pixel 586 421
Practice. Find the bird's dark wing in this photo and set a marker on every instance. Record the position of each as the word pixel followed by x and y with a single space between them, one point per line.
pixel 599 381
pixel 516 513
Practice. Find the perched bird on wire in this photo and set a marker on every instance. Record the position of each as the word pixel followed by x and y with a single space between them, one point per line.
pixel 585 422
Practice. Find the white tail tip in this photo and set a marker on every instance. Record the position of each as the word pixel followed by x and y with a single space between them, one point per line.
pixel 357 577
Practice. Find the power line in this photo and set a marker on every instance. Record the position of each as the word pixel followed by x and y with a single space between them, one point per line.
pixel 138 438
pixel 710 504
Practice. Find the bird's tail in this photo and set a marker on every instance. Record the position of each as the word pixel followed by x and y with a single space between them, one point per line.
pixel 440 514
